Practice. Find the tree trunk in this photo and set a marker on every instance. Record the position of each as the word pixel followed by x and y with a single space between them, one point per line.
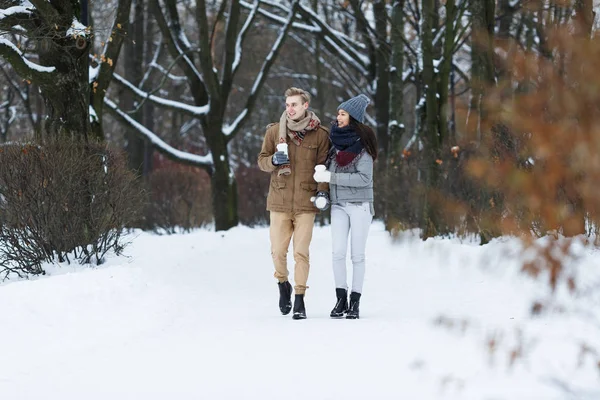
pixel 382 92
pixel 482 68
pixel 396 126
pixel 134 61
pixel 584 17
pixel 396 83
pixel 223 183
pixel 445 67
pixel 487 212
pixel 148 109
pixel 431 138
pixel 66 101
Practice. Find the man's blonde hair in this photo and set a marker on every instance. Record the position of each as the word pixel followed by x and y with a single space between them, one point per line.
pixel 294 91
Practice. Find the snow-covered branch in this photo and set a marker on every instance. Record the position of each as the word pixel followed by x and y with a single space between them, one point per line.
pixel 186 63
pixel 337 42
pixel 11 17
pixel 280 20
pixel 350 85
pixel 193 111
pixel 232 129
pixel 25 68
pixel 242 36
pixel 205 162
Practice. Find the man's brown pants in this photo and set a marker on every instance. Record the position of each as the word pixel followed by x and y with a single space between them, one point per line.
pixel 283 227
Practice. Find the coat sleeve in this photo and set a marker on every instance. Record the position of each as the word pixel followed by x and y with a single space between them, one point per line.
pixel 265 156
pixel 322 152
pixel 363 177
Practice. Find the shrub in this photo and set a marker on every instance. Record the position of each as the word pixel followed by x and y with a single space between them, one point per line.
pixel 179 198
pixel 253 187
pixel 62 200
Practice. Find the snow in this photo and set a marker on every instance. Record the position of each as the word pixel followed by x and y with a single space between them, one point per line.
pixel 230 129
pixel 193 316
pixel 394 122
pixel 13 10
pixel 93 115
pixel 77 29
pixel 31 65
pixel 93 73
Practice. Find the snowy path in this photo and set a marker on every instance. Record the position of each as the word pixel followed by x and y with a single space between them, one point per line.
pixel 195 317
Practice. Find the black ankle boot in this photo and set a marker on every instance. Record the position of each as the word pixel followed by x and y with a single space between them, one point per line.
pixel 354 303
pixel 299 310
pixel 341 305
pixel 285 297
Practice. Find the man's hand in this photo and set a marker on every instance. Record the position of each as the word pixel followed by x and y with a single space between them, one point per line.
pixel 280 158
pixel 321 201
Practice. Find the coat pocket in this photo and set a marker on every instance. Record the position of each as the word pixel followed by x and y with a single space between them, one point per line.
pixel 309 154
pixel 277 192
pixel 309 186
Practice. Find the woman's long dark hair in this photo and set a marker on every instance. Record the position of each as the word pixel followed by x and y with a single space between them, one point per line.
pixel 367 137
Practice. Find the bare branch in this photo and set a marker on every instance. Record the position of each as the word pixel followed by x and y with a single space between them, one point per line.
pixel 186 63
pixel 46 9
pixel 206 62
pixel 231 39
pixel 234 128
pixel 113 47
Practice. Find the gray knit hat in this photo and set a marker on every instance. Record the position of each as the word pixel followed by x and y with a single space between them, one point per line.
pixel 356 107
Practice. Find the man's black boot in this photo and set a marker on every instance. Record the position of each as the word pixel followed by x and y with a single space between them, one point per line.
pixel 299 310
pixel 285 297
pixel 354 303
pixel 341 305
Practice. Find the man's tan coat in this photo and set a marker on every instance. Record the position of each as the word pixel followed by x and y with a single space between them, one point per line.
pixel 292 193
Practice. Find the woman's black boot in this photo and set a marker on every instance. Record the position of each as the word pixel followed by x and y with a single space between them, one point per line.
pixel 341 305
pixel 354 303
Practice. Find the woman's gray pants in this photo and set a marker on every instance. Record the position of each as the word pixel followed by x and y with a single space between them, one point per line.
pixel 353 218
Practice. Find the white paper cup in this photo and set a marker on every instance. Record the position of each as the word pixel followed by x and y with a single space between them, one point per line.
pixel 283 147
pixel 320 168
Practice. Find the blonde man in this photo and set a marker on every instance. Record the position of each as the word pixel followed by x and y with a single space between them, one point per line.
pixel 290 151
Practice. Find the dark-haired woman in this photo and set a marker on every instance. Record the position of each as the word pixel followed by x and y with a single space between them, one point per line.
pixel 350 176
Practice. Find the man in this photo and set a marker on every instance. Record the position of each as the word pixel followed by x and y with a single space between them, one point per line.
pixel 290 151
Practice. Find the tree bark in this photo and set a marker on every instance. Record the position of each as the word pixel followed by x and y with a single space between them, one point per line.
pixel 431 137
pixel 487 212
pixel 444 69
pixel 134 62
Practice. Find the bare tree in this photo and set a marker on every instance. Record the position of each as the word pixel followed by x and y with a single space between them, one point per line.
pixel 59 40
pixel 210 85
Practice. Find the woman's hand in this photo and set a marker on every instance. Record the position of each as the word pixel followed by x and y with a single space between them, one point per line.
pixel 321 174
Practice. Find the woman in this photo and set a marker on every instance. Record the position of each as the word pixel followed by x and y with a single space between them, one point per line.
pixel 350 176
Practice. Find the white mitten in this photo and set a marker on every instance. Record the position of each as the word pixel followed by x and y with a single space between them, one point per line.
pixel 322 176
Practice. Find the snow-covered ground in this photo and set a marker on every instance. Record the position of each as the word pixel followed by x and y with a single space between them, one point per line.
pixel 195 316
